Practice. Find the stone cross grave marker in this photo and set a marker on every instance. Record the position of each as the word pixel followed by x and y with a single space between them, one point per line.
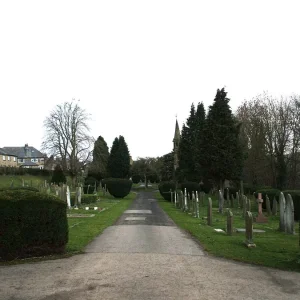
pixel 260 218
pixel 268 206
pixel 249 230
pixel 289 215
pixel 229 226
pixel 209 212
pixel 282 212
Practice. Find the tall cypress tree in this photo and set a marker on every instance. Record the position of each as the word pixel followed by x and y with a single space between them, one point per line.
pixel 199 147
pixel 119 159
pixel 223 156
pixel 100 159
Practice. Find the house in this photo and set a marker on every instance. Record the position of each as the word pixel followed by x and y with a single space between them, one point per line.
pixel 8 159
pixel 28 157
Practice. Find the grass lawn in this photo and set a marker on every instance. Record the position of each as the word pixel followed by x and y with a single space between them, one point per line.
pixel 29 180
pixel 84 230
pixel 273 248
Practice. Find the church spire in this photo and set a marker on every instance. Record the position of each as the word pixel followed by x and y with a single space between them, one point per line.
pixel 176 141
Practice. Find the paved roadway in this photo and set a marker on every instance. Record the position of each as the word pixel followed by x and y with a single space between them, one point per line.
pixel 145 258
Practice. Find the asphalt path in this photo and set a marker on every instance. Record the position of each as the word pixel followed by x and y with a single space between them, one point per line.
pixel 145 256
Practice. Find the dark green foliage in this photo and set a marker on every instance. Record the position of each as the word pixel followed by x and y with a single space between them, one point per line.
pixel 190 187
pixel 153 178
pixel 206 185
pixel 119 159
pixel 89 185
pixel 167 166
pixel 222 155
pixel 164 188
pixel 20 188
pixel 23 171
pixel 58 176
pixel 98 167
pixel 118 187
pixel 232 191
pixel 85 199
pixel 190 147
pixel 31 224
pixel 136 178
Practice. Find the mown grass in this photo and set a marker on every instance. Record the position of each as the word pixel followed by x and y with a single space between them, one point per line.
pixel 17 180
pixel 83 230
pixel 273 248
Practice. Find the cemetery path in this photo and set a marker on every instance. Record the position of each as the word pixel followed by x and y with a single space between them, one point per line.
pixel 145 258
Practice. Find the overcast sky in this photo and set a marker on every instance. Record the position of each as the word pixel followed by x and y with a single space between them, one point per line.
pixel 134 65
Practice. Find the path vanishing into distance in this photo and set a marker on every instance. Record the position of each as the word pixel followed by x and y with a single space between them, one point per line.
pixel 145 256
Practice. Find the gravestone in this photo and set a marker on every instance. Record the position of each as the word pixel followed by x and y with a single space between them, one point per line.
pixel 274 208
pixel 249 230
pixel 68 196
pixel 227 197
pixel 185 201
pixel 248 204
pixel 289 215
pixel 268 206
pixel 181 200
pixel 237 196
pixel 229 222
pixel 244 206
pixel 209 212
pixel 282 212
pixel 171 196
pixel 175 198
pixel 79 195
pixel 260 217
pixel 221 202
pixel 232 201
pixel 197 205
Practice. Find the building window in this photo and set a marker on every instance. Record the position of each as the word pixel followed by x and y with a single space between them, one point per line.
pixel 36 160
pixel 20 160
pixel 14 159
pixel 32 160
pixel 8 158
pixel 3 157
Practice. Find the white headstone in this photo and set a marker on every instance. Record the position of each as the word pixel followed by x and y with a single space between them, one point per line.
pixel 68 197
pixel 289 215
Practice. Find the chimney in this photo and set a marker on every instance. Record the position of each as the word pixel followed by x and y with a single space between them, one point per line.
pixel 26 150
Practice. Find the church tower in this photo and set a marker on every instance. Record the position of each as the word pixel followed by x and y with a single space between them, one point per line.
pixel 176 142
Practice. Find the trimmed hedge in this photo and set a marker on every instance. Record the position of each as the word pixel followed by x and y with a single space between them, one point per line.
pixel 136 178
pixel 31 224
pixel 20 188
pixel 118 187
pixel 164 188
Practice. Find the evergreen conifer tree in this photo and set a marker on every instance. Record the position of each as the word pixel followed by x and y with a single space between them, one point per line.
pixel 100 159
pixel 119 159
pixel 222 154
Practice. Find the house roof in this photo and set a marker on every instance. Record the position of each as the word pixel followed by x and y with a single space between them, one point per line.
pixel 23 152
pixel 3 152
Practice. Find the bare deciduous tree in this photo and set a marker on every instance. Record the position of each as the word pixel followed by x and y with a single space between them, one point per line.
pixel 67 137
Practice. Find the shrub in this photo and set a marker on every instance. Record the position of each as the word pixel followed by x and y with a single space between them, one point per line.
pixel 296 199
pixel 31 224
pixel 118 187
pixel 136 178
pixel 190 187
pixel 232 191
pixel 164 188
